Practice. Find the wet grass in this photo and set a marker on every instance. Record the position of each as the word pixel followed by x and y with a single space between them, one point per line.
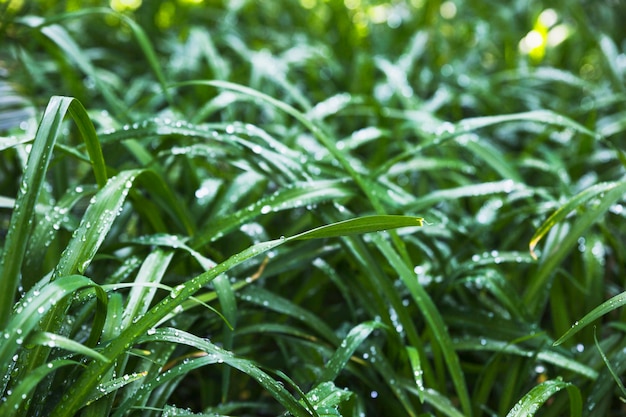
pixel 266 209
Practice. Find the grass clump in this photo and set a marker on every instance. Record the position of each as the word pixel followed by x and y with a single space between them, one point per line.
pixel 312 208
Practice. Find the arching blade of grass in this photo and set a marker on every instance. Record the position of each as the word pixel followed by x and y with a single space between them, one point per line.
pixel 360 225
pixel 62 342
pixel 275 388
pixel 539 116
pixel 548 356
pixel 472 190
pixel 604 308
pixel 608 365
pixel 155 380
pixel 573 203
pixel 535 398
pixel 325 398
pixel 24 390
pixel 295 196
pixel 32 181
pixel 439 401
pixel 342 355
pixel 538 287
pixel 104 207
pixel 34 306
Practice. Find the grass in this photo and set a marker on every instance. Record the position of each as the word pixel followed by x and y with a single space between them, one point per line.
pixel 308 209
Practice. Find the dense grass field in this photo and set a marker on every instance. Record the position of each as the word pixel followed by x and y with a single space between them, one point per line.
pixel 312 208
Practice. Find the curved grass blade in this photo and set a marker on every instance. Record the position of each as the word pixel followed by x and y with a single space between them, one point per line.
pixel 28 384
pixel 154 381
pixel 487 188
pixel 34 306
pixel 612 371
pixel 144 285
pixel 544 355
pixel 574 202
pixel 32 182
pixel 24 209
pixel 611 304
pixel 114 385
pixel 538 287
pixel 326 397
pixel 539 116
pixel 62 342
pixel 275 388
pixel 342 355
pixel 533 400
pixel 366 224
pixel 441 403
pixel 300 195
pixel 104 207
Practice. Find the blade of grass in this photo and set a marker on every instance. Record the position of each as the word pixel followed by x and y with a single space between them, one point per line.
pixel 529 405
pixel 24 209
pixel 346 349
pixel 275 388
pixel 21 392
pixel 601 310
pixel 62 342
pixel 538 287
pixel 435 322
pixel 34 306
pixel 32 181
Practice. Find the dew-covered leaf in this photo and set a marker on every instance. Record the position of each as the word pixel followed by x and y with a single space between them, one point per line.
pixel 530 403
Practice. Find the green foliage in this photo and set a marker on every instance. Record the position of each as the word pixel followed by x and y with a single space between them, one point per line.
pixel 313 208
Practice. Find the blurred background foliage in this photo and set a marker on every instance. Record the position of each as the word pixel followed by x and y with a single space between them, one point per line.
pixel 458 42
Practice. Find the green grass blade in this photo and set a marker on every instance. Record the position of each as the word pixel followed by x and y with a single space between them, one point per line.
pixel 62 342
pixel 537 288
pixel 104 207
pixel 601 310
pixel 418 373
pixel 360 225
pixel 23 391
pixel 34 306
pixel 435 322
pixel 441 403
pixel 538 116
pixel 24 210
pixel 92 143
pixel 295 196
pixel 608 365
pixel 143 289
pixel 529 405
pixel 275 388
pixel 573 203
pixel 325 398
pixel 346 349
